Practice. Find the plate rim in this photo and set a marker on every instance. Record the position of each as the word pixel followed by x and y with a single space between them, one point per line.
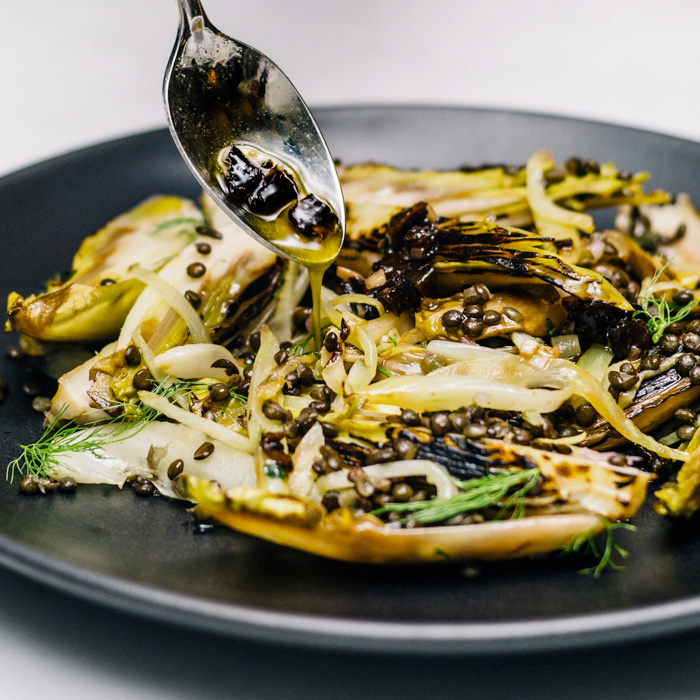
pixel 324 631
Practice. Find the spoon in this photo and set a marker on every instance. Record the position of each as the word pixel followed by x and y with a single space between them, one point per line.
pixel 218 91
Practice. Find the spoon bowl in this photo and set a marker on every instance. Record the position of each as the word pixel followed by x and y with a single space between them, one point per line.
pixel 218 91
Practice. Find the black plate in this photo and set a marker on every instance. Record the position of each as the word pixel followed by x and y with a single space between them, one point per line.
pixel 143 555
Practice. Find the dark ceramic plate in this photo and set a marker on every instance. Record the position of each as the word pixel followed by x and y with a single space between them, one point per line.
pixel 143 555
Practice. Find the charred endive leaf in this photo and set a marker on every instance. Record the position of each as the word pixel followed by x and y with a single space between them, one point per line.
pixel 225 270
pixel 374 192
pixel 93 303
pixel 495 254
pixel 303 525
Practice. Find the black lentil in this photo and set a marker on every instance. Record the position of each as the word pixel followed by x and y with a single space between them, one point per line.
pixel 132 355
pixel 379 455
pixel 440 423
pixel 196 269
pixel 194 298
pixel 684 364
pixel 452 318
pixel 208 231
pixel 410 418
pixel 330 342
pixel 274 411
pixel 478 294
pixel 281 357
pixel 686 432
pixel 107 281
pixel 513 314
pixel 143 487
pixel 473 328
pixel 227 365
pixel 321 392
pixel 685 415
pixel 175 469
pixel 492 318
pixel 669 343
pixel 650 362
pixel 28 485
pixel 300 316
pixel 694 375
pixel 67 485
pixel 404 448
pixel 143 381
pixel 219 392
pixel 474 311
pixel 683 297
pixel 203 248
pixel 475 431
pixel 585 415
pixel 691 341
pixel 204 450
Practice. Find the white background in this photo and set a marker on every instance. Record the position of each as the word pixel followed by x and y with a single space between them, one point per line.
pixel 74 72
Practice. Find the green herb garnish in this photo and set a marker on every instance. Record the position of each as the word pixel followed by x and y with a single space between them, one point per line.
pixel 666 313
pixel 43 455
pixel 586 541
pixel 495 490
pixel 274 471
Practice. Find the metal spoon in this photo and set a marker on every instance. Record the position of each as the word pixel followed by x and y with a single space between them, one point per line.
pixel 217 91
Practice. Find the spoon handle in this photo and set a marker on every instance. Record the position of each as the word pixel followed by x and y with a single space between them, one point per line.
pixel 189 9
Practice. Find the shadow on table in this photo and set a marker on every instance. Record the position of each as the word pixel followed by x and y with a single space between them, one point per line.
pixel 182 663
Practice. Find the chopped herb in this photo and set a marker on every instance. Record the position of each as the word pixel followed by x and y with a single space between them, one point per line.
pixel 385 372
pixel 551 328
pixel 586 541
pixel 666 313
pixel 235 395
pixel 300 347
pixel 176 222
pixel 43 455
pixel 495 490
pixel 393 339
pixel 274 471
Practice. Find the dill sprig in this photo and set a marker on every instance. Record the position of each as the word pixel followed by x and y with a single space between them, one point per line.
pixel 300 347
pixel 494 490
pixel 666 313
pixel 42 456
pixel 586 541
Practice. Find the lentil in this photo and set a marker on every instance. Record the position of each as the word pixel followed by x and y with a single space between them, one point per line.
pixel 330 342
pixel 28 485
pixel 196 269
pixel 686 432
pixel 175 469
pixel 208 231
pixel 452 319
pixel 132 355
pixel 585 415
pixel 492 318
pixel 219 392
pixel 143 381
pixel 684 364
pixel 204 450
pixel 67 485
pixel 477 294
pixel 683 297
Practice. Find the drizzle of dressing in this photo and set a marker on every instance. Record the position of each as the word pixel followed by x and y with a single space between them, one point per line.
pixel 315 252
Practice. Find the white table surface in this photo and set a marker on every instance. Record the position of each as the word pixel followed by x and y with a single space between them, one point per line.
pixel 77 72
